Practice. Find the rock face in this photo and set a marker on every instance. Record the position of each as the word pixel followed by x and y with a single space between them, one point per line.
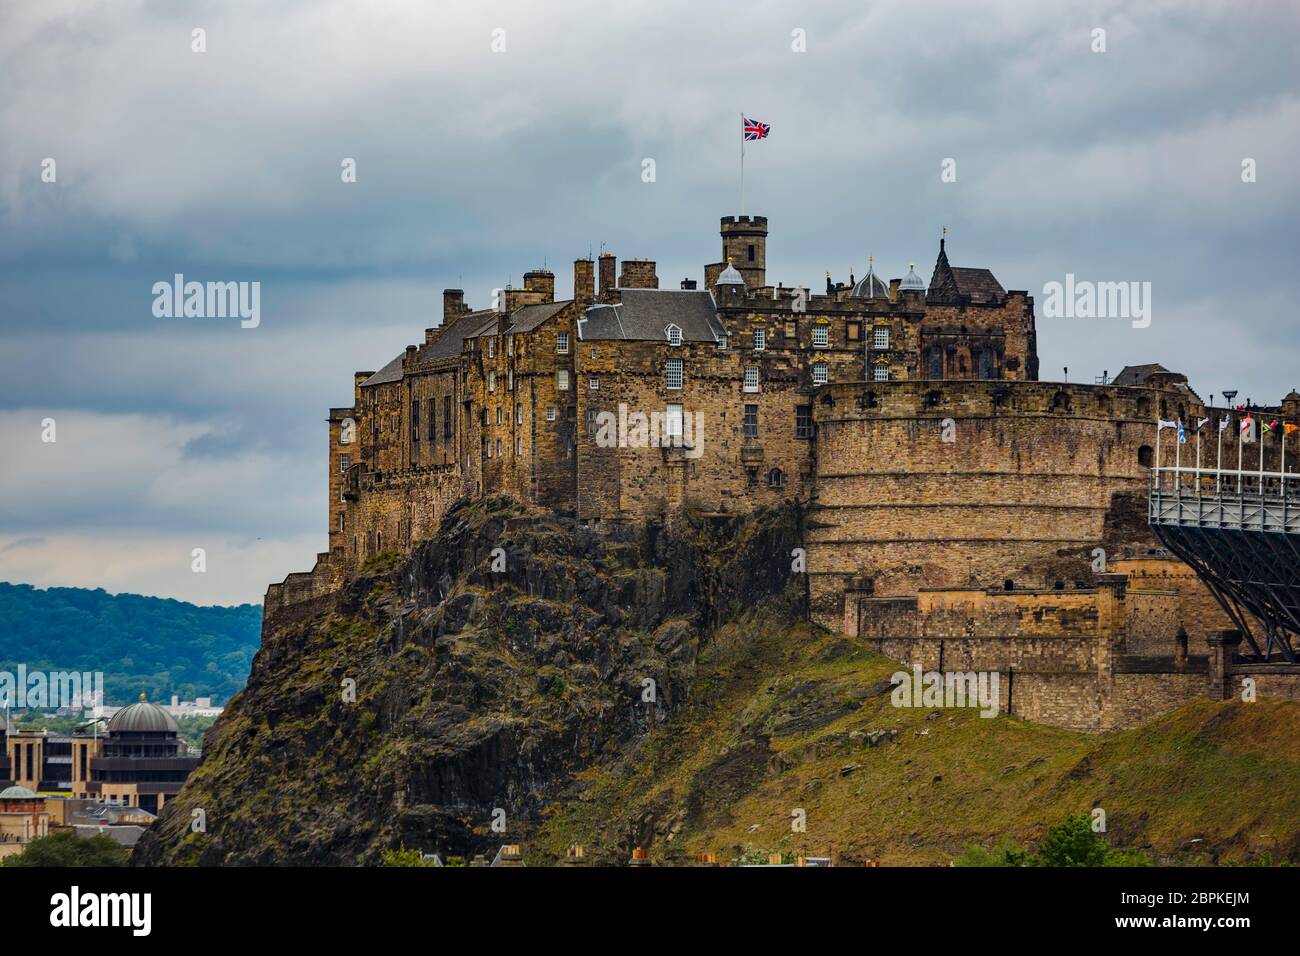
pixel 468 684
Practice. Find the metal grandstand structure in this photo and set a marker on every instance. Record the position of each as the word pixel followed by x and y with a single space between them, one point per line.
pixel 1240 531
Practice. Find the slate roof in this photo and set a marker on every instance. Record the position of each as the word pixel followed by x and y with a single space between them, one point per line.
pixel 392 372
pixel 527 318
pixel 644 314
pixel 953 285
pixel 1138 374
pixel 451 342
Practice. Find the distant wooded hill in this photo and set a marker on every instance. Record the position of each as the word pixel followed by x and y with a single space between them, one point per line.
pixel 156 645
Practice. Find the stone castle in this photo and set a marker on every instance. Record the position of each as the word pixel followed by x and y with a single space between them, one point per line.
pixel 961 514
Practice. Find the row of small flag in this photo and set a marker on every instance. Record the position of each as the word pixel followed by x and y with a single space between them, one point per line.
pixel 1247 427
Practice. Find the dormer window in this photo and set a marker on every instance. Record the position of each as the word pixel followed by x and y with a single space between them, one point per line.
pixel 722 343
pixel 674 335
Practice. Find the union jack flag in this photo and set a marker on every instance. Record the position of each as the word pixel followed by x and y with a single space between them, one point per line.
pixel 753 129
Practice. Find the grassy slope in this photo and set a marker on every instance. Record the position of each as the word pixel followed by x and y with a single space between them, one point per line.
pixel 768 731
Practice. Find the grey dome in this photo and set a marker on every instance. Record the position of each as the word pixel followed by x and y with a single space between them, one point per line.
pixel 912 282
pixel 143 718
pixel 16 793
pixel 730 276
pixel 870 286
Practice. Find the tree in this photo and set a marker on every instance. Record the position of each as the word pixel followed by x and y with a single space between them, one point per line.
pixel 1072 842
pixel 65 848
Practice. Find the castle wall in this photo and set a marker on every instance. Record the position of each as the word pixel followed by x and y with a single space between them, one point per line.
pixel 1034 477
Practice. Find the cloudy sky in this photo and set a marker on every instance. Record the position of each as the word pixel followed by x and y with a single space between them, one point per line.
pixel 475 165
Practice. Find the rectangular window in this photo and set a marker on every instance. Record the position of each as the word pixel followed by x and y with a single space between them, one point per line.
pixel 821 336
pixel 342 520
pixel 498 447
pixel 751 421
pixel 492 348
pixel 446 419
pixel 673 373
pixel 433 420
pixel 791 330
pixel 487 447
pixel 550 413
pixel 562 379
pixel 593 382
pixel 673 422
pixel 492 381
pixel 519 413
pixel 881 373
pixel 674 335
pixel 415 420
pixel 519 445
pixel 751 379
pixel 821 373
pixel 345 462
pixel 803 422
pixel 854 330
pixel 760 339
pixel 498 414
pixel 880 337
pixel 562 342
pixel 722 343
pixel 510 345
pixel 510 380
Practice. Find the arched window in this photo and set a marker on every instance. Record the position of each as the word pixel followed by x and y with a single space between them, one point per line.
pixel 776 479
pixel 1061 402
pixel 1144 408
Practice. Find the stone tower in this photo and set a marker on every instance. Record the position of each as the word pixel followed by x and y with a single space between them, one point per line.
pixel 744 243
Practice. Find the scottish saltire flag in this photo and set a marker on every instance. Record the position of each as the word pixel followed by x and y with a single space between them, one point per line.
pixel 753 129
pixel 1182 435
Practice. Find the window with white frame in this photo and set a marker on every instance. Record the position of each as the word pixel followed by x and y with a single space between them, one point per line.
pixel 519 445
pixel 880 337
pixel 821 373
pixel 492 381
pixel 519 413
pixel 593 382
pixel 562 342
pixel 510 380
pixel 492 348
pixel 674 335
pixel 821 336
pixel 550 413
pixel 722 343
pixel 673 373
pixel 498 414
pixel 345 462
pixel 881 373
pixel 760 339
pixel 562 379
pixel 751 378
pixel 510 345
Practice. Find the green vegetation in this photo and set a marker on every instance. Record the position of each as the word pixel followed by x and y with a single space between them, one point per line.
pixel 65 848
pixel 783 715
pixel 159 646
pixel 1072 842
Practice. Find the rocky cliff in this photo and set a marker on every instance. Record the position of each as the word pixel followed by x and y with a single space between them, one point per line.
pixel 466 684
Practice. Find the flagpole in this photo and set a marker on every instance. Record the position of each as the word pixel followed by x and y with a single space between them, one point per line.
pixel 1241 438
pixel 742 164
pixel 1198 459
pixel 1218 462
pixel 1159 429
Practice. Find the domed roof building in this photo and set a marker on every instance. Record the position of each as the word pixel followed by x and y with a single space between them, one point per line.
pixel 17 793
pixel 143 717
pixel 731 276
pixel 911 282
pixel 140 761
pixel 871 286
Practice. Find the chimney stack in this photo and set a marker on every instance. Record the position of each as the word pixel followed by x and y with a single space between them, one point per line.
pixel 543 281
pixel 584 282
pixel 453 304
pixel 607 264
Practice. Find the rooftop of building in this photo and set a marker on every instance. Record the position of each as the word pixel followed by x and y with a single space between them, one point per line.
pixel 143 718
pixel 644 315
